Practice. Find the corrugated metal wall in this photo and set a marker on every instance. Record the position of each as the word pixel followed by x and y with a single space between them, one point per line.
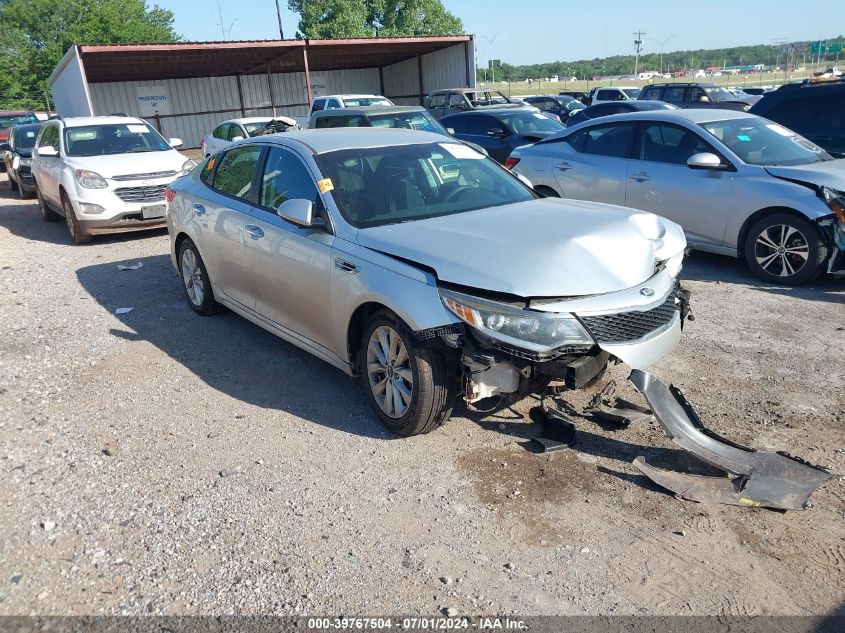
pixel 218 96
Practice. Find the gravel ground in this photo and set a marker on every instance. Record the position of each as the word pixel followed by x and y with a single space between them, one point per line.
pixel 160 462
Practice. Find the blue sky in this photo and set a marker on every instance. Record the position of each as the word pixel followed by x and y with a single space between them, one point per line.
pixel 549 30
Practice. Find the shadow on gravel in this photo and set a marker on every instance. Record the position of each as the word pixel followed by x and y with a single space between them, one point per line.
pixel 227 352
pixel 728 270
pixel 23 219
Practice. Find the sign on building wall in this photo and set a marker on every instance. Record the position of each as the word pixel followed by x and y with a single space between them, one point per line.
pixel 153 100
pixel 319 84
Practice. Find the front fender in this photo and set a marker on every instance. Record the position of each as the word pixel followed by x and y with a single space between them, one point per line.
pixel 410 292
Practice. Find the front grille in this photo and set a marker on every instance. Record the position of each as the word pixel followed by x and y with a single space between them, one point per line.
pixel 150 176
pixel 153 193
pixel 625 327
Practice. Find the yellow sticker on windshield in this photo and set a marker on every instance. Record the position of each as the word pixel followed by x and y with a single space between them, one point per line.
pixel 325 185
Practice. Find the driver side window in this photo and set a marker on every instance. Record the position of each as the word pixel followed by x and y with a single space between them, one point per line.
pixel 286 178
pixel 670 144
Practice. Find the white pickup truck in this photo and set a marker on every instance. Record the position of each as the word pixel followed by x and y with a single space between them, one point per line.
pixel 331 102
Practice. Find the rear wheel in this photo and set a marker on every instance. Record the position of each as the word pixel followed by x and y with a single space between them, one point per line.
pixel 406 382
pixel 195 281
pixel 47 214
pixel 785 249
pixel 77 233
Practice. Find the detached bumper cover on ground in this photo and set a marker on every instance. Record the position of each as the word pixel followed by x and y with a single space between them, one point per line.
pixel 755 478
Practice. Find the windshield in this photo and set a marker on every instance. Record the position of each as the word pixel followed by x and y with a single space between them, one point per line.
pixel 569 103
pixel 408 120
pixel 114 138
pixel 8 120
pixel 760 142
pixel 717 93
pixel 357 102
pixel 256 128
pixel 375 186
pixel 633 93
pixel 526 122
pixel 25 136
pixel 486 97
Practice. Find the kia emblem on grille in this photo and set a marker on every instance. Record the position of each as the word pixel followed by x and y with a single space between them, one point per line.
pixel 647 292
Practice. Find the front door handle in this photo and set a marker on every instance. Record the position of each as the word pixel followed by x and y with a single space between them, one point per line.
pixel 641 177
pixel 345 266
pixel 254 231
pixel 198 209
pixel 564 166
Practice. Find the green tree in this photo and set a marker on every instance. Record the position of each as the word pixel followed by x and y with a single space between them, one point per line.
pixel 332 19
pixel 36 34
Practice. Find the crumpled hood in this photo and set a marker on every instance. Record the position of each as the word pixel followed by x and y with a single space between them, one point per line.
pixel 129 164
pixel 539 248
pixel 829 173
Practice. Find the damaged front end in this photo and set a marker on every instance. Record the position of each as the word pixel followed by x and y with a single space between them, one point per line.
pixel 513 346
pixel 834 225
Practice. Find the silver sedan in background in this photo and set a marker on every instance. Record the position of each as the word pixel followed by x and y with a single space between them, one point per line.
pixel 424 267
pixel 738 184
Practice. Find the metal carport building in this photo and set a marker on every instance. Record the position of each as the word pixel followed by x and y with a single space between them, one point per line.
pixel 185 89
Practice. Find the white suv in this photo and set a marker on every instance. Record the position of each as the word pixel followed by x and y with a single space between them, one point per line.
pixel 616 93
pixel 104 174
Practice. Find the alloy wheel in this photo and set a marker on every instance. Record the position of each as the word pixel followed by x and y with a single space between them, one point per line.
pixel 389 371
pixel 782 250
pixel 192 277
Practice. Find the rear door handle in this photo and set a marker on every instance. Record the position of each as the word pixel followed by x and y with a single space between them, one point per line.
pixel 198 209
pixel 254 231
pixel 564 166
pixel 641 177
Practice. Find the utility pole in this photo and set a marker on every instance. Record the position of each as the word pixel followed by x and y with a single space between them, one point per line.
pixel 638 42
pixel 279 15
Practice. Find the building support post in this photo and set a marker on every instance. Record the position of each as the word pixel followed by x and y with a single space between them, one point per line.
pixel 308 87
pixel 270 89
pixel 241 96
pixel 381 80
pixel 420 76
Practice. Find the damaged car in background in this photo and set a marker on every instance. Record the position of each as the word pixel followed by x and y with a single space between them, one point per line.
pixel 423 267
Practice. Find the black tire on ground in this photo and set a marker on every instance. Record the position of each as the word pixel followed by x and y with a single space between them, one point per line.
pixel 204 303
pixel 47 214
pixel 77 233
pixel 433 391
pixel 25 194
pixel 785 249
pixel 12 184
pixel 547 192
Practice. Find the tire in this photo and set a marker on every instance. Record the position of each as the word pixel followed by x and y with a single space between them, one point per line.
pixel 431 391
pixel 24 194
pixel 195 280
pixel 47 214
pixel 547 192
pixel 77 233
pixel 13 185
pixel 785 249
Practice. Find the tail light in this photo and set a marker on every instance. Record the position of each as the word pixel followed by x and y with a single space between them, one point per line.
pixel 169 194
pixel 511 162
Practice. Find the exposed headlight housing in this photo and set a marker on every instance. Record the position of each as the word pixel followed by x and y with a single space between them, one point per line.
pixel 187 167
pixel 836 201
pixel 538 332
pixel 90 179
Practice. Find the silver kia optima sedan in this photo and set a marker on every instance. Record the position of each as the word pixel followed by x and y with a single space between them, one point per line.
pixel 738 184
pixel 424 267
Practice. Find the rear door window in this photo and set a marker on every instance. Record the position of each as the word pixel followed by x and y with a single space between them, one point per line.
pixel 236 171
pixel 607 95
pixel 613 140
pixel 457 102
pixel 651 92
pixel 674 94
pixel 459 123
pixel 319 104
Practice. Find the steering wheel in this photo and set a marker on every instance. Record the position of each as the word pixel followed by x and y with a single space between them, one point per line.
pixel 457 193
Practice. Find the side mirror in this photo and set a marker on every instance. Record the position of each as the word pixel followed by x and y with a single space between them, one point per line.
pixel 47 151
pixel 704 160
pixel 175 142
pixel 451 130
pixel 300 212
pixel 237 138
pixel 5 147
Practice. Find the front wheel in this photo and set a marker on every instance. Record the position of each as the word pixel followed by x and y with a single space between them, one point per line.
pixel 77 233
pixel 785 249
pixel 406 382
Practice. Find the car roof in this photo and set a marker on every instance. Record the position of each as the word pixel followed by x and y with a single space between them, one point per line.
pixel 79 121
pixel 250 119
pixel 15 112
pixel 331 139
pixel 690 115
pixel 350 96
pixel 484 111
pixel 617 87
pixel 637 103
pixel 383 109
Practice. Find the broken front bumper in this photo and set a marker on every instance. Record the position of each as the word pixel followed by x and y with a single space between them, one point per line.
pixel 755 478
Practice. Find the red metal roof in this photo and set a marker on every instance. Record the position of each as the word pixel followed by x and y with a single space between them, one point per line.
pixel 139 62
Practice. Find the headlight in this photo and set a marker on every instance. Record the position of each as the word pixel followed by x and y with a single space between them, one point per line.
pixel 187 167
pixel 526 329
pixel 90 179
pixel 836 201
pixel 25 162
